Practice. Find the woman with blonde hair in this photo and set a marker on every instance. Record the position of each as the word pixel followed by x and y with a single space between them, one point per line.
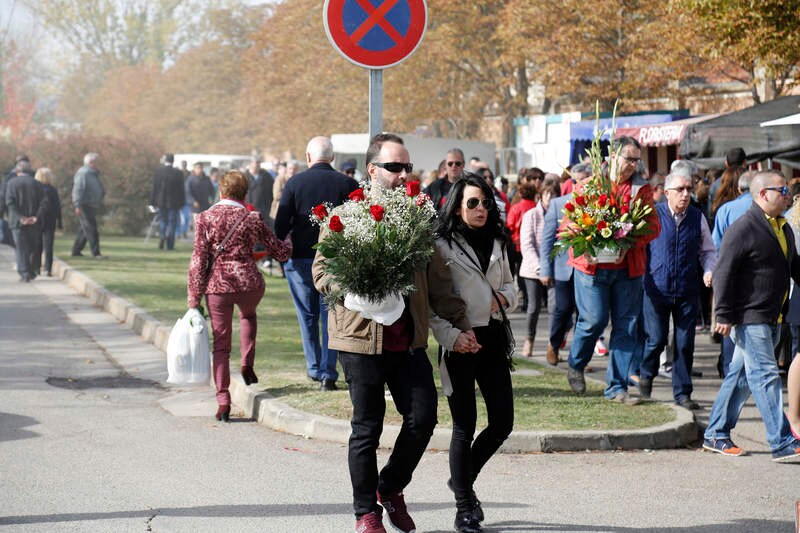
pixel 223 269
pixel 51 220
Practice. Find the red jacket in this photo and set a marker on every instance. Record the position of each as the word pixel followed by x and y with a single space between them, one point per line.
pixel 636 258
pixel 514 218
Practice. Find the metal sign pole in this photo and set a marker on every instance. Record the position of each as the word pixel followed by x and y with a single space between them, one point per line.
pixel 375 102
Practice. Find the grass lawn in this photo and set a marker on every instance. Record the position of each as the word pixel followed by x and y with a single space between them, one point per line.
pixel 156 281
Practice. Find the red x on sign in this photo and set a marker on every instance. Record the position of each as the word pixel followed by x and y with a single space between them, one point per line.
pixel 375 34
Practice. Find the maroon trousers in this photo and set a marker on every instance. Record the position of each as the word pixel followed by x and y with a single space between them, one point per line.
pixel 220 308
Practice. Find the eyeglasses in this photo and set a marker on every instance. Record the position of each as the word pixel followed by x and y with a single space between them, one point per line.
pixel 783 190
pixel 455 163
pixel 487 203
pixel 681 189
pixel 395 168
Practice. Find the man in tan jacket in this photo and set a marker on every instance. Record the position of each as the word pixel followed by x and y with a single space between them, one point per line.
pixel 374 355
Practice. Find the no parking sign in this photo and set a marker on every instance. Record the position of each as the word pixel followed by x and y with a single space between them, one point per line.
pixel 375 34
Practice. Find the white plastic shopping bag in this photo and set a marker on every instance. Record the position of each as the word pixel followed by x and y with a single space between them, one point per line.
pixel 188 351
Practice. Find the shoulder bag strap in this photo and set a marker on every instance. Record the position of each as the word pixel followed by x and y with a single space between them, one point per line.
pixel 219 248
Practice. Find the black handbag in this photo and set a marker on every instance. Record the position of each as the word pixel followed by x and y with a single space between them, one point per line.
pixel 510 344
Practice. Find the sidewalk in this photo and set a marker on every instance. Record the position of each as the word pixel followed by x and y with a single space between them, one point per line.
pixel 270 412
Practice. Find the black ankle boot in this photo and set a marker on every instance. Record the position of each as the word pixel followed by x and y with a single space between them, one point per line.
pixel 467 523
pixel 477 510
pixel 224 413
pixel 249 375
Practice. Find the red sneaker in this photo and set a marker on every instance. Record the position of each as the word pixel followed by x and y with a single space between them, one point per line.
pixel 395 505
pixel 370 523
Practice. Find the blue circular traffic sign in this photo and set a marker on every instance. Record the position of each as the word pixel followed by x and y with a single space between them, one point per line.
pixel 375 34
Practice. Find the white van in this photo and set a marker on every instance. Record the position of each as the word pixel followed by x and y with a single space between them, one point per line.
pixel 220 161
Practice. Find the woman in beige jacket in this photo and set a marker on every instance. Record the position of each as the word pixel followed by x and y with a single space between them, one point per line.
pixel 472 240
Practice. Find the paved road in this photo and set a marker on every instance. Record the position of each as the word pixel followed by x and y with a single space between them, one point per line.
pixel 92 440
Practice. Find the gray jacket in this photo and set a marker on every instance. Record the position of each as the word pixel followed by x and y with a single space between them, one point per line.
pixel 472 286
pixel 87 191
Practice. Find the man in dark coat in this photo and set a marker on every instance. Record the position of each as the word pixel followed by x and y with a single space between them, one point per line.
pixel 168 196
pixel 26 204
pixel 439 189
pixel 259 191
pixel 751 288
pixel 320 183
pixel 201 190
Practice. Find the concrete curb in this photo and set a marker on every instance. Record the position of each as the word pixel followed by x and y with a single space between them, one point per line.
pixel 274 414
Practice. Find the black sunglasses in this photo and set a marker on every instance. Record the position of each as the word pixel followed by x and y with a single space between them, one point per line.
pixel 487 203
pixel 681 189
pixel 455 163
pixel 395 167
pixel 783 190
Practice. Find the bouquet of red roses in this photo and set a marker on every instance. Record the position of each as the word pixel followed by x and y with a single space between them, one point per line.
pixel 376 241
pixel 600 221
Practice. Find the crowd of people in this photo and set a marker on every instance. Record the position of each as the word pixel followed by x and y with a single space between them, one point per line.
pixel 30 213
pixel 729 235
pixel 495 243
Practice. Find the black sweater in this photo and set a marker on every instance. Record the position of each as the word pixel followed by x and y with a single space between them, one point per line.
pixel 320 183
pixel 752 274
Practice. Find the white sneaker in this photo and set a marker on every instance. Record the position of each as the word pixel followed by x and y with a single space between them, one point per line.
pixel 600 348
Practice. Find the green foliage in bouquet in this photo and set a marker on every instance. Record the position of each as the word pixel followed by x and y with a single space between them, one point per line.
pixel 375 242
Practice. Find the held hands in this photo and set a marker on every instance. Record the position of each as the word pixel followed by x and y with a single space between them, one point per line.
pixel 547 281
pixel 466 342
pixel 28 221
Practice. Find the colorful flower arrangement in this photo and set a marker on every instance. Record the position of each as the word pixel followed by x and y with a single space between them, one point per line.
pixel 600 221
pixel 375 241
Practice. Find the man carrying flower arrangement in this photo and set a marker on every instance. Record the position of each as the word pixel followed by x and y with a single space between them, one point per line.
pixel 606 228
pixel 376 259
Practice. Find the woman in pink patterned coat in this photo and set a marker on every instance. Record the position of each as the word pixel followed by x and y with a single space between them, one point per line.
pixel 233 279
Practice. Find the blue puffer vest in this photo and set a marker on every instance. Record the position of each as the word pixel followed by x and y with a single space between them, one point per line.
pixel 673 262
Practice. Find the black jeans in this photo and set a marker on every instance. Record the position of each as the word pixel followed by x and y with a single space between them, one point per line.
pixel 87 231
pixel 48 236
pixel 536 295
pixel 409 376
pixel 489 369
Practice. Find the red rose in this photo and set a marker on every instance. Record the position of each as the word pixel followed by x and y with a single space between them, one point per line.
pixel 580 200
pixel 569 207
pixel 601 202
pixel 412 188
pixel 320 211
pixel 602 224
pixel 377 212
pixel 421 199
pixel 624 209
pixel 336 224
pixel 357 195
pixel 626 199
